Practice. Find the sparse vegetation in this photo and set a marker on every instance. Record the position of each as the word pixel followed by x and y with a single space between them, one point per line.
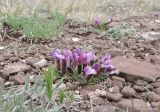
pixel 35 27
pixel 84 9
pixel 33 98
pixel 118 32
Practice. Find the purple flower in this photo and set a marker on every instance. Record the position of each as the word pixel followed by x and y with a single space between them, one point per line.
pixel 89 56
pixel 68 57
pixel 82 57
pixel 57 54
pixel 89 70
pixel 106 63
pixel 78 56
pixel 97 67
pixel 97 21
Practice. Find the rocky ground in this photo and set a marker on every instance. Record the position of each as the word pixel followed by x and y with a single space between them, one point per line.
pixel 135 89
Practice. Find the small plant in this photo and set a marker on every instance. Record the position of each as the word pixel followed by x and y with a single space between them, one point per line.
pixel 49 75
pixel 99 24
pixel 32 98
pixel 120 32
pixel 84 63
pixel 35 27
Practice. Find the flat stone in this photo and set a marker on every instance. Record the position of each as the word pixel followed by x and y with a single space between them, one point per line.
pixel 157 90
pixel 4 74
pixel 156 84
pixel 117 83
pixel 141 83
pixel 106 108
pixel 119 79
pixel 89 88
pixel 114 52
pixel 1 58
pixel 133 70
pixel 134 105
pixel 97 100
pixel 36 62
pixel 139 88
pixel 18 79
pixel 13 68
pixel 128 91
pixel 114 89
pixel 156 105
pixel 14 59
pixel 114 97
pixel 101 93
pixel 155 59
pixel 152 96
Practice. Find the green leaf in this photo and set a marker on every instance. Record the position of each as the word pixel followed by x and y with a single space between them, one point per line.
pixel 61 96
pixel 49 75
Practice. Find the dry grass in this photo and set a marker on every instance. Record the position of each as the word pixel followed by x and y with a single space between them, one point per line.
pixel 85 9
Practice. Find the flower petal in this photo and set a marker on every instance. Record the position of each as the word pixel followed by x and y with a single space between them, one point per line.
pixel 89 70
pixel 90 56
pixel 57 54
pixel 97 21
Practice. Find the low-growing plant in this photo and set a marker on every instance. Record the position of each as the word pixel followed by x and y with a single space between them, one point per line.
pixel 83 63
pixel 35 27
pixel 120 32
pixel 99 24
pixel 30 98
pixel 49 76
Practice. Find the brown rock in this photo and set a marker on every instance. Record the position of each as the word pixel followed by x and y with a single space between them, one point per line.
pixel 106 108
pixel 128 91
pixel 157 90
pixel 133 70
pixel 114 89
pixel 14 59
pixel 118 79
pixel 89 88
pixel 97 100
pixel 13 68
pixel 155 59
pixel 139 88
pixel 134 105
pixel 152 96
pixel 117 83
pixel 4 74
pixel 156 84
pixel 156 105
pixel 141 83
pixel 114 97
pixel 35 62
pixel 18 79
pixel 114 52
pixel 1 58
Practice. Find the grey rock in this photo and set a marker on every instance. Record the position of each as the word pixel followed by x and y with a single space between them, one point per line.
pixel 134 105
pixel 107 108
pixel 133 70
pixel 36 62
pixel 152 96
pixel 13 68
pixel 139 88
pixel 128 91
pixel 141 83
pixel 114 97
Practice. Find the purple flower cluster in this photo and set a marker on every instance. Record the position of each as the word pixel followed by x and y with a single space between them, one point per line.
pixel 83 62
